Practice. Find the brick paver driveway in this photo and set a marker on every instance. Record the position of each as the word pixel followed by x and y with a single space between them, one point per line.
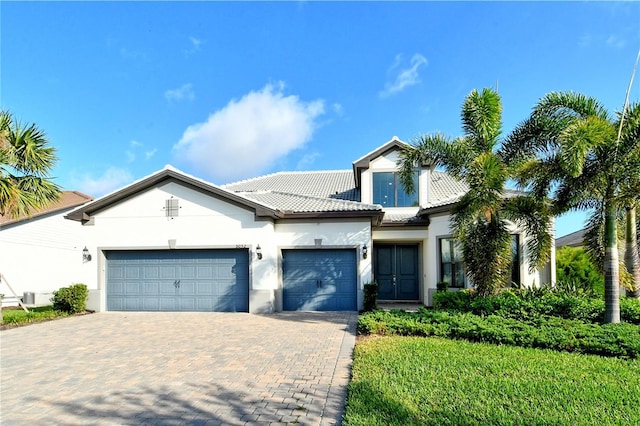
pixel 178 368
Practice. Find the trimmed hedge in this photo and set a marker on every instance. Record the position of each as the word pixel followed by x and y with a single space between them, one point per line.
pixel 613 340
pixel 72 299
pixel 531 304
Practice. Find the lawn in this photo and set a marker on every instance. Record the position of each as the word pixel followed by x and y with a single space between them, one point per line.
pixel 16 316
pixel 435 381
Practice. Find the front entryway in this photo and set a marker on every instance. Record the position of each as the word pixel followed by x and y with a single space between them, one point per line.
pixel 396 271
pixel 319 280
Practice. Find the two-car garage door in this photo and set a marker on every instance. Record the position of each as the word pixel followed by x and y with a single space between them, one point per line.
pixel 178 280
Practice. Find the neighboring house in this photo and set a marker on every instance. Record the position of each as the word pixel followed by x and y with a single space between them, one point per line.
pixel 575 239
pixel 42 252
pixel 284 241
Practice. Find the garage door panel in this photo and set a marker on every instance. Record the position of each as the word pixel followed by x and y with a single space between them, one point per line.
pixel 178 280
pixel 319 280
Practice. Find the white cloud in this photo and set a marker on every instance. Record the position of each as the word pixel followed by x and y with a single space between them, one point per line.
pixel 184 92
pixel 615 42
pixel 150 153
pixel 246 136
pixel 307 160
pixel 404 77
pixel 112 179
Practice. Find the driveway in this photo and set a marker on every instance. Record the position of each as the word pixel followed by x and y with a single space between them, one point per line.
pixel 178 368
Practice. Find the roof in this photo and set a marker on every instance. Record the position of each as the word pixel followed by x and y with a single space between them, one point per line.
pixel 338 184
pixel 66 201
pixel 575 239
pixel 256 194
pixel 167 174
pixel 363 162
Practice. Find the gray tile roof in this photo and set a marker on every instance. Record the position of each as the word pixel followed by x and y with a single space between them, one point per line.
pixel 305 203
pixel 338 184
pixel 444 190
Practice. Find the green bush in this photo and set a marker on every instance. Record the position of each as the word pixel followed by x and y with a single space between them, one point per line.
pixel 72 299
pixel 454 300
pixel 576 272
pixel 615 340
pixel 370 296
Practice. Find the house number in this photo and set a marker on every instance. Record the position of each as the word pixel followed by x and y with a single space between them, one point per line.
pixel 242 246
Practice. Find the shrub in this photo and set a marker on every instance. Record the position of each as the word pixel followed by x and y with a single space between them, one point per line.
pixel 576 272
pixel 72 299
pixel 455 300
pixel 442 286
pixel 370 296
pixel 616 340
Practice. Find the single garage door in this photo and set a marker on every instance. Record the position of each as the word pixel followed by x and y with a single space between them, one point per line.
pixel 178 280
pixel 319 280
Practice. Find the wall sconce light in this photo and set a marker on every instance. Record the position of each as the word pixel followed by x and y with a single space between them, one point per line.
pixel 259 252
pixel 365 250
pixel 86 257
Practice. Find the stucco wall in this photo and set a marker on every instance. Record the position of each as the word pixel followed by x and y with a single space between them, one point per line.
pixel 42 254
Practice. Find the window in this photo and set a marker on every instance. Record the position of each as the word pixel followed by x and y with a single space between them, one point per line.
pixel 388 192
pixel 515 259
pixel 451 266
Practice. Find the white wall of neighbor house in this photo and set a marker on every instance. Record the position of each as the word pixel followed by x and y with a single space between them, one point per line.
pixel 334 233
pixel 202 222
pixel 41 255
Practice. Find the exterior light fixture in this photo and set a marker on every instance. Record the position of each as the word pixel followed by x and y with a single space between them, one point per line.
pixel 259 252
pixel 86 257
pixel 365 251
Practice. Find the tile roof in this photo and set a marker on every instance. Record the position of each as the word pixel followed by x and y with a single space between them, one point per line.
pixel 336 184
pixel 67 200
pixel 575 239
pixel 297 203
pixel 444 190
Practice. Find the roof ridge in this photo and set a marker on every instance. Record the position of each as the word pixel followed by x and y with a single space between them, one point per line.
pixel 284 172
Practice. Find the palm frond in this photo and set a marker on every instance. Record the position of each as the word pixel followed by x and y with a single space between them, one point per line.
pixel 482 119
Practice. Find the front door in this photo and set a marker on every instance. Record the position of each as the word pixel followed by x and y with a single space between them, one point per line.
pixel 396 271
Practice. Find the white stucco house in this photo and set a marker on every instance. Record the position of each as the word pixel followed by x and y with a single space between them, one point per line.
pixel 283 241
pixel 41 252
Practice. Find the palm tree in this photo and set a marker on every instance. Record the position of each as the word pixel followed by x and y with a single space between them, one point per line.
pixel 629 126
pixel 481 218
pixel 25 162
pixel 572 151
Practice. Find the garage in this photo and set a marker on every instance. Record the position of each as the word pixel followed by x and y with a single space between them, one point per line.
pixel 319 280
pixel 178 280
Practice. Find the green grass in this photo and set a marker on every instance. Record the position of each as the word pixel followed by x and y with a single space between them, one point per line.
pixel 17 316
pixel 434 381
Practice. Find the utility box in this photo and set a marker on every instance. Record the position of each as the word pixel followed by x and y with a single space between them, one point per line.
pixel 29 298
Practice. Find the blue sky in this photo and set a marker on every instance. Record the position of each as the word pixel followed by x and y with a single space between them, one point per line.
pixel 231 90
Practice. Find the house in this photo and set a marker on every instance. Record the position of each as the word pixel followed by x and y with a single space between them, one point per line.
pixel 41 252
pixel 575 239
pixel 284 241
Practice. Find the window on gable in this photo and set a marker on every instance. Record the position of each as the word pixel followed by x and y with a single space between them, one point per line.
pixel 171 207
pixel 451 266
pixel 388 192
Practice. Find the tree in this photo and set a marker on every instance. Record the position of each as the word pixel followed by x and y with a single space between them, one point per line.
pixel 25 162
pixel 570 149
pixel 481 218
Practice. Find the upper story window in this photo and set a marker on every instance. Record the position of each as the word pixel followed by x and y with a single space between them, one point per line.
pixel 388 192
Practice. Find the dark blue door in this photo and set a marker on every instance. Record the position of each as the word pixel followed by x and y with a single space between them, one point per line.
pixel 178 280
pixel 319 280
pixel 395 269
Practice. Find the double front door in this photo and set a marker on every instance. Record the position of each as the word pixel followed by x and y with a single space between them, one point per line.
pixel 396 271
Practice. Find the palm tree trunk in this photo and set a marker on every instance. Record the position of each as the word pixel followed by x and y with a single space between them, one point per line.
pixel 631 258
pixel 611 267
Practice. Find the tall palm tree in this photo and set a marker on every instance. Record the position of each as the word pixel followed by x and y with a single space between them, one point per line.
pixel 25 162
pixel 629 125
pixel 481 218
pixel 572 151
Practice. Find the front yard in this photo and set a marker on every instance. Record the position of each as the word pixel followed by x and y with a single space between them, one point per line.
pixel 435 381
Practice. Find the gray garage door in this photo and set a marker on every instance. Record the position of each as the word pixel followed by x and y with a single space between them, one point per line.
pixel 178 280
pixel 319 280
